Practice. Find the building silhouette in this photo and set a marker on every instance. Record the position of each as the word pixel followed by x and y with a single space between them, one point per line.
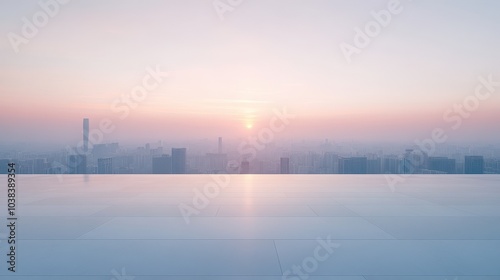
pixel 162 165
pixel 40 166
pixel 474 165
pixel 105 166
pixel 215 163
pixel 219 148
pixel 245 167
pixel 284 165
pixel 4 166
pixel 77 164
pixel 442 164
pixel 178 160
pixel 353 165
pixel 330 163
pixel 390 165
pixel 373 166
pixel 85 135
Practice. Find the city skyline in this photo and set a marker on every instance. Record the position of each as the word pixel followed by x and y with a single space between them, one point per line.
pixel 255 156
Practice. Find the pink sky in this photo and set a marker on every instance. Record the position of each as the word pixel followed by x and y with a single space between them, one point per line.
pixel 227 75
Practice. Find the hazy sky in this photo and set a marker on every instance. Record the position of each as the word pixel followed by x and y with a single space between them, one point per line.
pixel 228 75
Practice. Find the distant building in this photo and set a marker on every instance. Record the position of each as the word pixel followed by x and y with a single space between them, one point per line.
pixel 219 149
pixel 390 165
pixel 105 150
pixel 474 165
pixel 105 166
pixel 4 166
pixel 178 160
pixel 85 135
pixel 413 162
pixel 215 163
pixel 330 163
pixel 40 166
pixel 162 165
pixel 442 164
pixel 373 166
pixel 245 167
pixel 25 166
pixel 491 166
pixel 77 164
pixel 284 165
pixel 353 165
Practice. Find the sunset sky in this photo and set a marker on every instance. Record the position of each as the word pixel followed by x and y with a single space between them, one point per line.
pixel 227 76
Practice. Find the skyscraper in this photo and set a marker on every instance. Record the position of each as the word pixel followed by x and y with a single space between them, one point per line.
pixel 4 166
pixel 77 164
pixel 391 164
pixel 285 165
pixel 373 166
pixel 105 166
pixel 220 146
pixel 178 160
pixel 353 165
pixel 85 135
pixel 442 164
pixel 162 165
pixel 40 166
pixel 474 165
pixel 245 167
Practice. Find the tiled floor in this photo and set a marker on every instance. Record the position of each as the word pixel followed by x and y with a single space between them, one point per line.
pixel 255 227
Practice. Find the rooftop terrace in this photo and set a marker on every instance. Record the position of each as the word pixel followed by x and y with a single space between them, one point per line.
pixel 250 227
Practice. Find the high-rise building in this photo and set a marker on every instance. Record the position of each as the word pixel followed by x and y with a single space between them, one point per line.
pixel 178 160
pixel 330 163
pixel 4 166
pixel 215 163
pixel 413 161
pixel 285 165
pixel 85 135
pixel 77 164
pixel 220 146
pixel 390 165
pixel 353 165
pixel 474 165
pixel 442 164
pixel 162 165
pixel 245 167
pixel 40 166
pixel 373 166
pixel 105 166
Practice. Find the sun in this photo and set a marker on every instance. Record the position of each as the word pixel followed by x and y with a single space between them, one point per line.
pixel 249 126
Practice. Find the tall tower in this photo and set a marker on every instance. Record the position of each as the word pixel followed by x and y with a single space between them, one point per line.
pixel 178 160
pixel 162 165
pixel 85 135
pixel 220 146
pixel 474 165
pixel 284 165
